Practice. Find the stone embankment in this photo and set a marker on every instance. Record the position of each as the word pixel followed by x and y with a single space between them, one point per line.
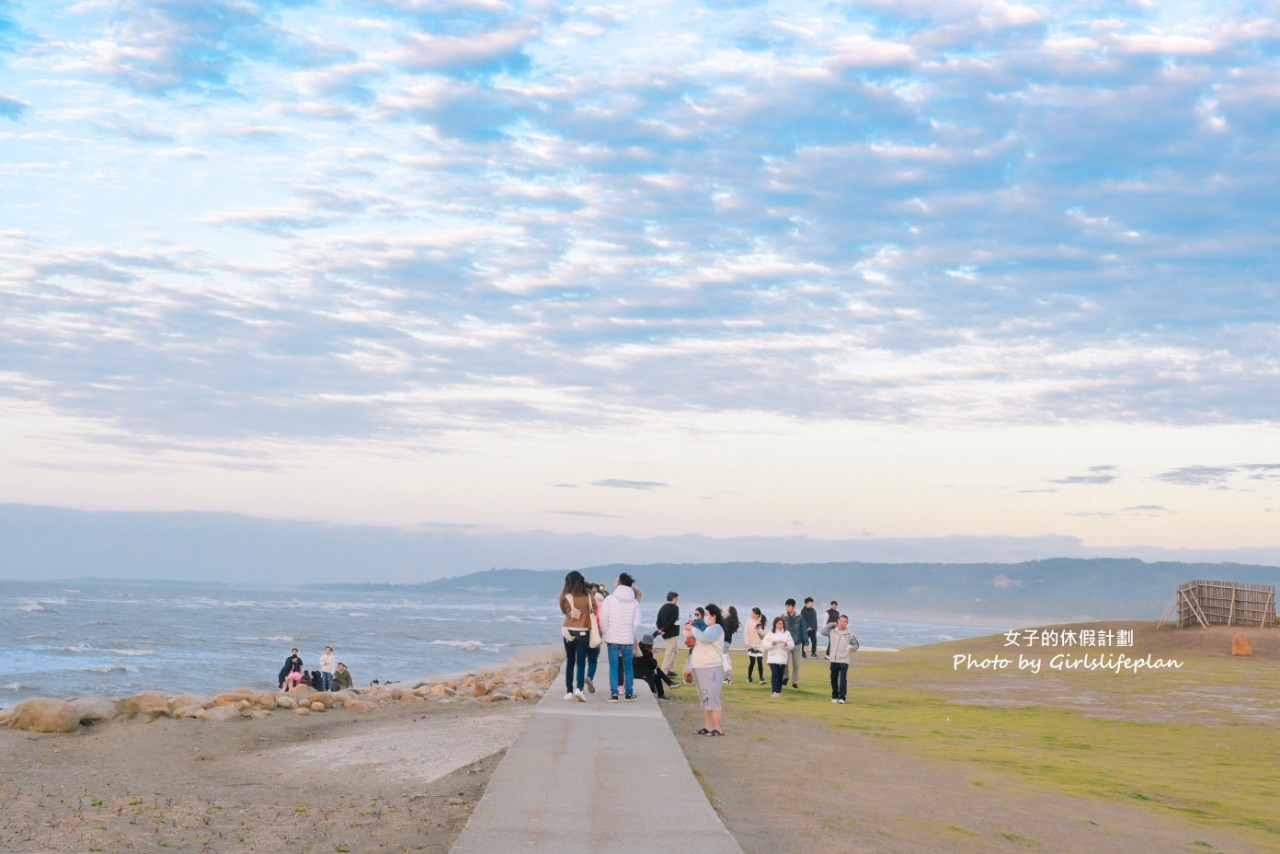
pixel 526 678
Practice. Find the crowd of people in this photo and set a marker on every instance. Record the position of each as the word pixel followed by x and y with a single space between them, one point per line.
pixel 331 675
pixel 595 618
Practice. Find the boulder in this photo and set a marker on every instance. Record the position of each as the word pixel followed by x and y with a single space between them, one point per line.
pixel 94 710
pixel 219 713
pixel 41 714
pixel 317 707
pixel 361 707
pixel 230 698
pixel 192 710
pixel 264 700
pixel 284 701
pixel 153 704
pixel 183 700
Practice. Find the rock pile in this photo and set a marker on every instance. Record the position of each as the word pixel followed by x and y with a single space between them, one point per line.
pixel 527 678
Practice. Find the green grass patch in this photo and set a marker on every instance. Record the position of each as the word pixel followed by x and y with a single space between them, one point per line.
pixel 1215 770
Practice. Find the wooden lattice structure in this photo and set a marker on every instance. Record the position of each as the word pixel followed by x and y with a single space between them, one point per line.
pixel 1222 603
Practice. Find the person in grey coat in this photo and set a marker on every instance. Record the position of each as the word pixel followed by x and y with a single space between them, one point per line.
pixel 844 643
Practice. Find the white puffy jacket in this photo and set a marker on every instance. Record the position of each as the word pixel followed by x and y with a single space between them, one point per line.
pixel 620 616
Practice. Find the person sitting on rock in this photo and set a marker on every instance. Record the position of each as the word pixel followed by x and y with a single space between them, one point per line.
pixel 292 680
pixel 341 677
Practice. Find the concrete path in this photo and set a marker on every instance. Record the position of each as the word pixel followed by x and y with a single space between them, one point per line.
pixel 595 777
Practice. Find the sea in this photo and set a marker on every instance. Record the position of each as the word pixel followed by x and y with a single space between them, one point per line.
pixel 111 638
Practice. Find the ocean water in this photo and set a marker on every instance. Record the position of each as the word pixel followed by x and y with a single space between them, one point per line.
pixel 116 638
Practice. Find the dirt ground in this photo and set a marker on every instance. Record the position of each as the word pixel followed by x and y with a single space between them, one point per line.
pixel 401 779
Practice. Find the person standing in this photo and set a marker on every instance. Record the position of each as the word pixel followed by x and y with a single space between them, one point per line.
pixel 778 644
pixel 575 604
pixel 328 664
pixel 795 625
pixel 669 630
pixel 292 664
pixel 833 614
pixel 844 643
pixel 754 634
pixel 810 615
pixel 707 662
pixel 730 624
pixel 619 620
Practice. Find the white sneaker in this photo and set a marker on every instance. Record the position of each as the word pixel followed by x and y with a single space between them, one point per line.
pixel 569 696
pixel 835 701
pixel 577 692
pixel 841 702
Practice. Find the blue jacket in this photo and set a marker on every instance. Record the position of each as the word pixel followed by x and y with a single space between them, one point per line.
pixel 795 625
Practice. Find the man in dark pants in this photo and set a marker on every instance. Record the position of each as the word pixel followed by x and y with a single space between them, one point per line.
pixel 810 615
pixel 669 631
pixel 795 626
pixel 844 643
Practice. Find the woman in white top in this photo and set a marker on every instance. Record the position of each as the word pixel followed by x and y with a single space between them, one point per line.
pixel 707 662
pixel 328 664
pixel 777 647
pixel 754 634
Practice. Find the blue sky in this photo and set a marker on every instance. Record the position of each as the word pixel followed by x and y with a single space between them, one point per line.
pixel 805 269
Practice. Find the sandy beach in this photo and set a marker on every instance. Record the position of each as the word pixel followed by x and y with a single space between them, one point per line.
pixel 406 777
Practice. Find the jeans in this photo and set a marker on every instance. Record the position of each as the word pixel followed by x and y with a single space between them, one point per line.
pixel 327 679
pixel 575 659
pixel 839 681
pixel 624 654
pixel 775 675
pixel 593 660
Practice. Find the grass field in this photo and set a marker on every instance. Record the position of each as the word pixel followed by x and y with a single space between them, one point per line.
pixel 1197 740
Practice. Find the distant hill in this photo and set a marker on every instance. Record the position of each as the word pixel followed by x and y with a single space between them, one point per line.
pixel 1063 588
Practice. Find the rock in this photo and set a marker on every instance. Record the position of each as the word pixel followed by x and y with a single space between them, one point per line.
pixel 264 700
pixel 230 698
pixel 302 710
pixel 324 698
pixel 192 710
pixel 94 710
pixel 153 704
pixel 1240 645
pixel 183 700
pixel 41 714
pixel 284 701
pixel 361 707
pixel 318 707
pixel 219 713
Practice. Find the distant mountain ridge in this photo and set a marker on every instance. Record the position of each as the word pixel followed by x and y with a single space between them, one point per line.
pixel 1061 588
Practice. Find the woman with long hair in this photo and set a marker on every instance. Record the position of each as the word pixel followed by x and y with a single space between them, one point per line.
pixel 577 607
pixel 754 634
pixel 778 645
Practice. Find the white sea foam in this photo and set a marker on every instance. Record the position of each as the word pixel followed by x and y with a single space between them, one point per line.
pixel 130 651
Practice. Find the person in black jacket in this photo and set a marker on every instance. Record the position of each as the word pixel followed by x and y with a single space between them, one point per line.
pixel 646 668
pixel 833 614
pixel 669 631
pixel 291 664
pixel 810 615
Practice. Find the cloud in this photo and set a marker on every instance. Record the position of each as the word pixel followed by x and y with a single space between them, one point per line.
pixel 12 108
pixel 615 483
pixel 1221 477
pixel 498 50
pixel 1100 475
pixel 157 47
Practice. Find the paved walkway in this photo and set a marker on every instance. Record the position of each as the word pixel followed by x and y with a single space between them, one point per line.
pixel 595 777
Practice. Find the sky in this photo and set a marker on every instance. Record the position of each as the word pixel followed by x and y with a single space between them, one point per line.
pixel 855 271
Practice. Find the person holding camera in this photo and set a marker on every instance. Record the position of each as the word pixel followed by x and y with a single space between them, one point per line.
pixel 707 663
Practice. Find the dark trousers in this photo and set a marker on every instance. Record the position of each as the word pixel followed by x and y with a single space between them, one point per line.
pixel 813 642
pixel 777 675
pixel 839 681
pixel 755 663
pixel 658 680
pixel 575 659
